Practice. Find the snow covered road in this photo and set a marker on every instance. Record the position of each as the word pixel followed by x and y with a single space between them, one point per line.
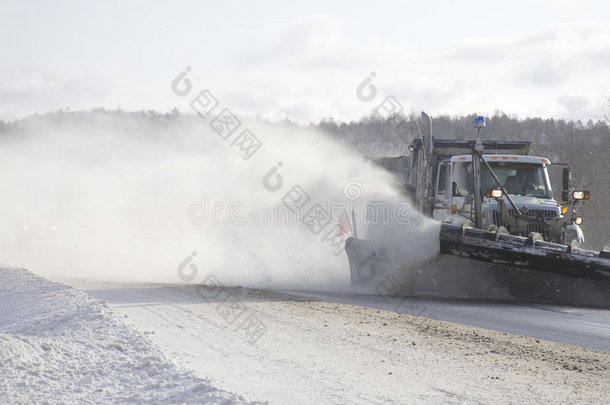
pixel 325 352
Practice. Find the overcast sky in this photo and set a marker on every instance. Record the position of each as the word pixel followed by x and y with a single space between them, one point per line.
pixel 304 61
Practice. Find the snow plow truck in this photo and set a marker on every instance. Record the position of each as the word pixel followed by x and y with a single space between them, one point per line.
pixel 502 234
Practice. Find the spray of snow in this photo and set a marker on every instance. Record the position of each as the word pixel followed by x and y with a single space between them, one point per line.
pixel 121 196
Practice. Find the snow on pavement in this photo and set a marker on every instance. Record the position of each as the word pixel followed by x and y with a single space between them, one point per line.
pixel 314 351
pixel 59 345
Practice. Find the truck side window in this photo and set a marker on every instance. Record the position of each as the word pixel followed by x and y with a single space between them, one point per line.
pixel 443 176
pixel 464 179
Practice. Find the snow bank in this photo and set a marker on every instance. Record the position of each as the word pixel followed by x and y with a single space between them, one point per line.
pixel 58 344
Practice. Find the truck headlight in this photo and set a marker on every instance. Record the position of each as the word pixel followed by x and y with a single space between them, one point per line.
pixel 581 195
pixel 496 193
pixel 577 220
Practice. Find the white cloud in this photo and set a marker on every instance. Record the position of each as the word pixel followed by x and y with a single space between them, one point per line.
pixel 573 102
pixel 308 67
pixel 527 75
pixel 309 38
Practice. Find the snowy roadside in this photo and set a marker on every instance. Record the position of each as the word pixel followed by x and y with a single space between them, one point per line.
pixel 59 345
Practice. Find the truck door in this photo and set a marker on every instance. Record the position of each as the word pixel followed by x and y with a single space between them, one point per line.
pixel 442 192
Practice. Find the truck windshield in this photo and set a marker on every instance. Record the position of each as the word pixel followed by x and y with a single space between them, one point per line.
pixel 527 179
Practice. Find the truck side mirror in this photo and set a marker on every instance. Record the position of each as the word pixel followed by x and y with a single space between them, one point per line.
pixel 566 178
pixel 454 189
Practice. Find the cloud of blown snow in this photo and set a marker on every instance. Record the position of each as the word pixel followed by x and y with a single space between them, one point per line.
pixel 122 196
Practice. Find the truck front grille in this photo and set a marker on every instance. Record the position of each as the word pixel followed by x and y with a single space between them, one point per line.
pixel 546 214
